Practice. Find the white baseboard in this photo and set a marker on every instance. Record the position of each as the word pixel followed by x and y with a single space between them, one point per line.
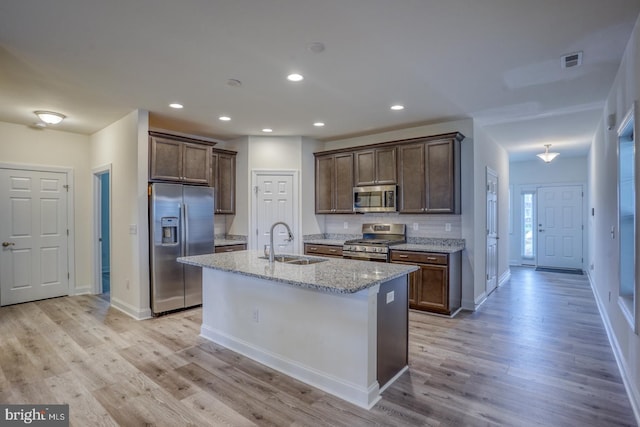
pixel 360 396
pixel 135 312
pixel 473 305
pixel 632 391
pixel 83 290
pixel 504 277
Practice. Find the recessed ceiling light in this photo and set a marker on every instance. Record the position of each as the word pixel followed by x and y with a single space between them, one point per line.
pixel 234 83
pixel 295 77
pixel 176 105
pixel 316 47
pixel 224 118
pixel 397 107
pixel 318 124
pixel 267 130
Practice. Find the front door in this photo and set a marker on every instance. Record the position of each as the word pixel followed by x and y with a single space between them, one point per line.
pixel 275 202
pixel 33 231
pixel 560 227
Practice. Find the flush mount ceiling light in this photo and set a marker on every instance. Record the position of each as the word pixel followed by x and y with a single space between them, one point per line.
pixel 176 105
pixel 267 130
pixel 295 77
pixel 50 117
pixel 547 156
pixel 224 118
pixel 397 107
pixel 318 124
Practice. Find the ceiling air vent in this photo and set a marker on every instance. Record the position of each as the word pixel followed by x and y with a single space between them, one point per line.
pixel 572 60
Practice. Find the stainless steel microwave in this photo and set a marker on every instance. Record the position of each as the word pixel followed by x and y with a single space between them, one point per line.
pixel 375 198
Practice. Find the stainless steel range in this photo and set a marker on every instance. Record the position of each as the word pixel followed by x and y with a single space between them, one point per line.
pixel 375 242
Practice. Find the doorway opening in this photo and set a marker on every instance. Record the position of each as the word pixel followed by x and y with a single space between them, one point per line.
pixel 628 219
pixel 102 204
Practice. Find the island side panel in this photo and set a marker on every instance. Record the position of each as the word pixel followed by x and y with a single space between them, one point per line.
pixel 327 340
pixel 393 329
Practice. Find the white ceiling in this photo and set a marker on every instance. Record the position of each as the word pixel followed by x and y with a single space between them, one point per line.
pixel 497 61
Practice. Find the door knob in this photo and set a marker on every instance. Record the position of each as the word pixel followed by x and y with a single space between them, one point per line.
pixel 5 244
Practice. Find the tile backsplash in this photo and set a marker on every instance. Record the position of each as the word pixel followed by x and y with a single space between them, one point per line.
pixel 428 226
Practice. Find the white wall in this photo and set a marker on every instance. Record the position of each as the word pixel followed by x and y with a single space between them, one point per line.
pixel 535 173
pixel 124 145
pixel 273 153
pixel 50 148
pixel 488 154
pixel 603 250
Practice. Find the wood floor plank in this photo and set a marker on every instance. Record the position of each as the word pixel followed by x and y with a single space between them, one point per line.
pixel 534 354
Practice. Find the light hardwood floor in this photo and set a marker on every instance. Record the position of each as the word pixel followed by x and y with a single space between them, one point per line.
pixel 535 353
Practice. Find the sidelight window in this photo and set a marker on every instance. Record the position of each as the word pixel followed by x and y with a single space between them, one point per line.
pixel 528 222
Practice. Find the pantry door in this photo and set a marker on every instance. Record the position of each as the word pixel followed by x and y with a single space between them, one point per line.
pixel 34 235
pixel 275 199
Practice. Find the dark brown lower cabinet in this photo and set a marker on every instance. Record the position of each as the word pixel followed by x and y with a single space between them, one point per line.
pixel 436 287
pixel 323 250
pixel 231 248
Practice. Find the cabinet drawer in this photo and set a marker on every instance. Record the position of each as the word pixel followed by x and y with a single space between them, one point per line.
pixel 311 249
pixel 419 257
pixel 230 248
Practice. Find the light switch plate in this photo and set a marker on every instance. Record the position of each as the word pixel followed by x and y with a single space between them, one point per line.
pixel 133 229
pixel 415 226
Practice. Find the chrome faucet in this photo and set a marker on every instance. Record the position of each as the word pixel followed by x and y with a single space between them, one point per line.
pixel 271 250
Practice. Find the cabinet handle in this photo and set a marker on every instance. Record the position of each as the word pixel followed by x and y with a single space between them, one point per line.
pixel 228 250
pixel 430 258
pixel 313 248
pixel 404 256
pixel 332 250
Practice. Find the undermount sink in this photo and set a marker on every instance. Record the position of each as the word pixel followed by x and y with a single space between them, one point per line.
pixel 296 259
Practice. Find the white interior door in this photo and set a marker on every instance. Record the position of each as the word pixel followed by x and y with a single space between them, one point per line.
pixel 33 231
pixel 560 227
pixel 275 201
pixel 492 231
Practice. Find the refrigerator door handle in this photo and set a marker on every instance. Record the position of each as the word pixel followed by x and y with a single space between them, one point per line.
pixel 185 220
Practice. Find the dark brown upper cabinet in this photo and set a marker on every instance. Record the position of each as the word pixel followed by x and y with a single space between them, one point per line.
pixel 334 183
pixel 375 166
pixel 178 159
pixel 426 169
pixel 223 179
pixel 429 177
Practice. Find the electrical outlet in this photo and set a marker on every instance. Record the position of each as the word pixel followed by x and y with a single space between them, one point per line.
pixel 127 283
pixel 255 316
pixel 447 227
pixel 390 297
pixel 415 226
pixel 346 225
pixel 133 229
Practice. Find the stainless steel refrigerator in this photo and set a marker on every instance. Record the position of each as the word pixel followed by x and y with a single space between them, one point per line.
pixel 181 224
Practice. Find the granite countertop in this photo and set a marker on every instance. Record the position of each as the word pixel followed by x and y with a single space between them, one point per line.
pixel 424 244
pixel 426 247
pixel 330 242
pixel 334 275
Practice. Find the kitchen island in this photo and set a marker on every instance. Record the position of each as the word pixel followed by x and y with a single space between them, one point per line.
pixel 338 325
